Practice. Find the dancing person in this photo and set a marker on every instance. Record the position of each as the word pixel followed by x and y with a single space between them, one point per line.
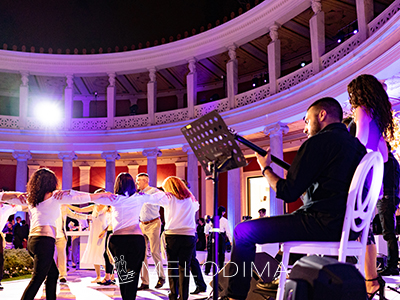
pixel 126 244
pixel 5 212
pixel 374 123
pixel 150 224
pixel 94 252
pixel 322 170
pixel 44 205
pixel 109 267
pixel 60 255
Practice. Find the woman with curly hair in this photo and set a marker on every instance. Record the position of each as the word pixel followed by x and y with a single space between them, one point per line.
pixel 374 123
pixel 44 204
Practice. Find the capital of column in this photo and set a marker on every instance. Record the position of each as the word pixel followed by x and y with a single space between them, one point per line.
pixel 152 74
pixel 110 155
pixel 186 148
pixel 276 129
pixel 111 79
pixel 21 155
pixel 67 156
pixel 316 6
pixel 192 65
pixel 151 153
pixel 69 80
pixel 273 32
pixel 232 52
pixel 24 78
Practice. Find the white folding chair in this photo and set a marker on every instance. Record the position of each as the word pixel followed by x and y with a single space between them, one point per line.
pixel 358 216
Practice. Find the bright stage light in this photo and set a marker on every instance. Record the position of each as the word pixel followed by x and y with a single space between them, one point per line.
pixel 48 113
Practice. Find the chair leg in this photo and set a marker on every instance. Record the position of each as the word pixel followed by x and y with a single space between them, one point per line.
pixel 282 275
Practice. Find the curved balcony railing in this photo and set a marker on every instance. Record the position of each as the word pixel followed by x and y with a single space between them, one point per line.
pixel 245 106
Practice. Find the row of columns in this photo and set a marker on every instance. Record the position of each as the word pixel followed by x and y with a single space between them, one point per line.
pixel 235 204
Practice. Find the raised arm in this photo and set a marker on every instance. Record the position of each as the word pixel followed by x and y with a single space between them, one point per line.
pixel 85 209
pixel 13 197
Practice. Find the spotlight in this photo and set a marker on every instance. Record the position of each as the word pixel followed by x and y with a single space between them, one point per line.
pixel 303 64
pixel 255 82
pixel 48 113
pixel 355 31
pixel 339 41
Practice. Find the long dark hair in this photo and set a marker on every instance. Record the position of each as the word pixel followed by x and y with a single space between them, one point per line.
pixel 368 92
pixel 43 181
pixel 124 184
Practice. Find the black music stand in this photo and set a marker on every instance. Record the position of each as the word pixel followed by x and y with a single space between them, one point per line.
pixel 217 152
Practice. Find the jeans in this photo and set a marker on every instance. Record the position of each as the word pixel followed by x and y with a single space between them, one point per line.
pixel 41 248
pixel 128 252
pixel 387 207
pixel 179 253
pixel 311 226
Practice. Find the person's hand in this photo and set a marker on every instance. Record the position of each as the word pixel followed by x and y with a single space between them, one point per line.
pixel 59 194
pixel 23 198
pixel 101 235
pixel 89 217
pixel 264 161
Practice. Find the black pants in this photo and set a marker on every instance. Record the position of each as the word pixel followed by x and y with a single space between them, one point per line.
pixel 128 252
pixel 211 251
pixel 196 271
pixel 109 266
pixel 293 227
pixel 41 248
pixel 179 253
pixel 387 207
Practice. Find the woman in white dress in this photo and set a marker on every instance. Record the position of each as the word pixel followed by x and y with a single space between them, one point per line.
pixel 95 247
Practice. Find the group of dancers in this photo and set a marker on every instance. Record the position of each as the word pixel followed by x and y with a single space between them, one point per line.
pixel 126 243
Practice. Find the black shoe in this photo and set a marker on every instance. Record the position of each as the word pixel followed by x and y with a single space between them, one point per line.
pixel 1 287
pixel 143 287
pixel 388 271
pixel 160 283
pixel 107 282
pixel 198 290
pixel 381 289
pixel 63 280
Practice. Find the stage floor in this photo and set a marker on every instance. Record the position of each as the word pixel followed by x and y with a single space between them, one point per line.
pixel 79 287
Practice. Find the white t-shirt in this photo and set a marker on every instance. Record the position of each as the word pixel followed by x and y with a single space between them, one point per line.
pixel 6 211
pixel 224 227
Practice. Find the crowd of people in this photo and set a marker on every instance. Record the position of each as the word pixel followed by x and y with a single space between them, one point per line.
pixel 126 221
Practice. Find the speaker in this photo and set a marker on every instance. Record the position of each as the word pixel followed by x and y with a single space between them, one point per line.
pixel 265 267
pixel 323 278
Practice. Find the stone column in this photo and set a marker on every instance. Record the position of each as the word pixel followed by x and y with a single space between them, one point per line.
pixel 317 35
pixel 133 169
pixel 192 171
pixel 191 81
pixel 111 101
pixel 21 179
pixel 274 59
pixel 68 101
pixel 275 133
pixel 84 178
pixel 152 96
pixel 32 169
pixel 23 100
pixel 207 195
pixel 110 157
pixel 234 199
pixel 180 169
pixel 232 76
pixel 67 158
pixel 86 108
pixel 152 155
pixel 365 13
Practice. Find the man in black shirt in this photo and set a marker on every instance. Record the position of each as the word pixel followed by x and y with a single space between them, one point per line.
pixel 322 172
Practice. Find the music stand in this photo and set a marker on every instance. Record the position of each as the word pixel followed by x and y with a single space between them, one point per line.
pixel 217 152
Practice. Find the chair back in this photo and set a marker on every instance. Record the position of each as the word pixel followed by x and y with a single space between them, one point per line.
pixel 360 205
